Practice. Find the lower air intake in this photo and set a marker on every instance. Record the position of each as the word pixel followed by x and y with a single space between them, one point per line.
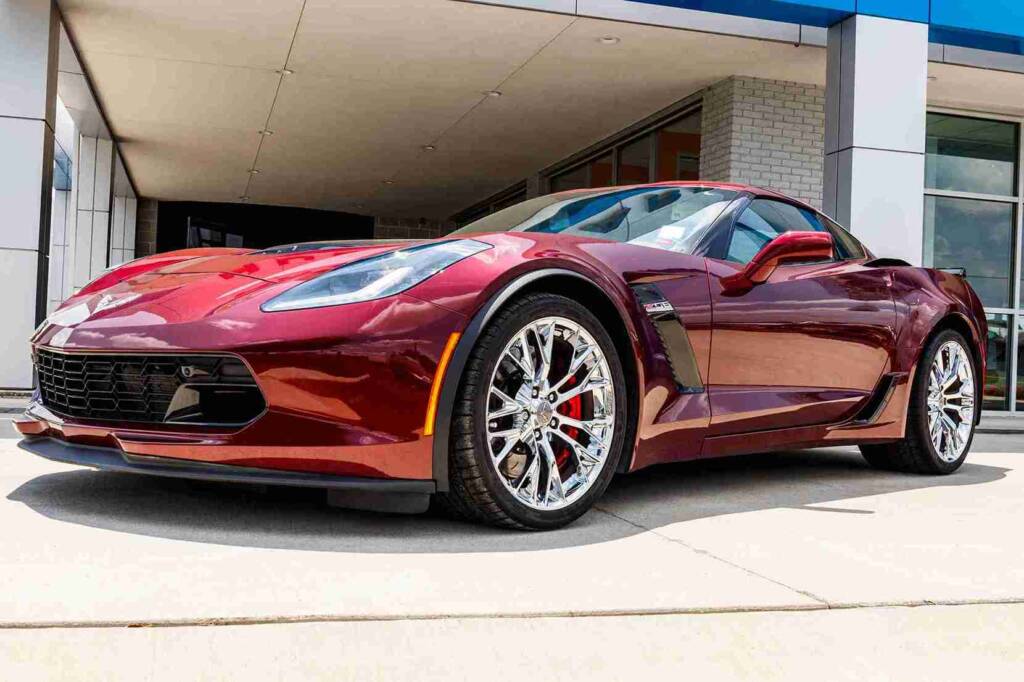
pixel 214 390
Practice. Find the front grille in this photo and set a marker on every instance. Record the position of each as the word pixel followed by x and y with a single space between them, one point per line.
pixel 193 389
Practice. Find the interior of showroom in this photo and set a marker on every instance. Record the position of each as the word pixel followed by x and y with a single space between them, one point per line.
pixel 159 125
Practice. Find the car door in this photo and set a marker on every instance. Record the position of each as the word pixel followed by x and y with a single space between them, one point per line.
pixel 805 347
pixel 671 284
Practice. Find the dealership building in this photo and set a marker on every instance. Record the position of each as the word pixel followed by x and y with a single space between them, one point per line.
pixel 129 127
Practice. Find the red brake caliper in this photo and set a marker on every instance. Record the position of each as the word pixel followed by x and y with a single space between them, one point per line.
pixel 571 408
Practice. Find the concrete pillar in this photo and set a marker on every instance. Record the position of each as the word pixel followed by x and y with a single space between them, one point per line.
pixel 29 31
pixel 875 100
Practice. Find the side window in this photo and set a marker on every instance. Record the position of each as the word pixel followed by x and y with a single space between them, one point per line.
pixel 847 246
pixel 763 221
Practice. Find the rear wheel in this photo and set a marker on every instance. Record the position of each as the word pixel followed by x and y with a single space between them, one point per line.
pixel 941 414
pixel 538 423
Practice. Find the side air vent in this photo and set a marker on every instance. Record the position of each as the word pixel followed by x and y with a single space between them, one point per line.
pixel 673 337
pixel 877 400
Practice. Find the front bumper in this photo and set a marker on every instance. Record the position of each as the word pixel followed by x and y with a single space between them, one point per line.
pixel 112 459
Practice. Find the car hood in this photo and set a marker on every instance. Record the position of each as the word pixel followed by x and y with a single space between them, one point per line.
pixel 184 292
pixel 284 264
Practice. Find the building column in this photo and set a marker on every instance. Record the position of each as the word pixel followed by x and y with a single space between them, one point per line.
pixel 91 241
pixel 875 102
pixel 29 31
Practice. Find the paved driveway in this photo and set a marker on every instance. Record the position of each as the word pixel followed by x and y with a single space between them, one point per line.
pixel 677 554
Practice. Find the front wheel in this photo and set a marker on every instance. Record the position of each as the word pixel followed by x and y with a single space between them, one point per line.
pixel 941 415
pixel 539 420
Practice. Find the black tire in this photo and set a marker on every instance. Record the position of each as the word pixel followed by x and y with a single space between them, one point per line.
pixel 916 454
pixel 476 493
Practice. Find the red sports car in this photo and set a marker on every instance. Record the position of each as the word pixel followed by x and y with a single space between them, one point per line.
pixel 513 367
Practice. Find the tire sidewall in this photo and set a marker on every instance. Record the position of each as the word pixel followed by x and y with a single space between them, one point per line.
pixel 920 424
pixel 499 334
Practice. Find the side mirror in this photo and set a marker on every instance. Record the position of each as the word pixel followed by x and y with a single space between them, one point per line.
pixel 788 247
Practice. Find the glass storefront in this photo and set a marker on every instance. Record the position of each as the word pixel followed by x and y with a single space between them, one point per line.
pixel 663 152
pixel 972 220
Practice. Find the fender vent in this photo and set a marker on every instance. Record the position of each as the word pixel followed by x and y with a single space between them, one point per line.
pixel 672 335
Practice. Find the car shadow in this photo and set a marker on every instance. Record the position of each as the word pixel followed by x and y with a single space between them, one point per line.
pixel 285 518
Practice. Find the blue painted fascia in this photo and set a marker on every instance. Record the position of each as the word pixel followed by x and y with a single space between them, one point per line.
pixel 996 25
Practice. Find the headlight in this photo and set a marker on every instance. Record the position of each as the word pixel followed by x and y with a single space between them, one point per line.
pixel 375 277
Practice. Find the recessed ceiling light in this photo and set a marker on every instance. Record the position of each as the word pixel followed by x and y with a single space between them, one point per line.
pixel 244 198
pixel 266 132
pixel 388 181
pixel 285 72
pixel 492 93
pixel 254 171
pixel 429 148
pixel 609 40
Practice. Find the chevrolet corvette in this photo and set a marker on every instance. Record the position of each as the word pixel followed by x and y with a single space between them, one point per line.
pixel 512 368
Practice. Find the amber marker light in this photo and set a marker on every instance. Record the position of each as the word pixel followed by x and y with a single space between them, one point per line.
pixel 435 389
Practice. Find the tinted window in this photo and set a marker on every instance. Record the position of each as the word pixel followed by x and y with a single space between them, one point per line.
pixel 674 218
pixel 971 155
pixel 847 246
pixel 763 221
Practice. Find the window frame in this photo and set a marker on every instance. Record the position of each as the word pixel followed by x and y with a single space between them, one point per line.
pixel 1015 311
pixel 716 244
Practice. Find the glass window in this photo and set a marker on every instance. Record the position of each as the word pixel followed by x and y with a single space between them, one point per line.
pixel 763 221
pixel 635 162
pixel 996 393
pixel 974 235
pixel 677 149
pixel 596 173
pixel 971 155
pixel 847 246
pixel 577 178
pixel 674 218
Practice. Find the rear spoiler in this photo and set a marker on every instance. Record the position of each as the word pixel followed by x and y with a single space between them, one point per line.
pixel 896 262
pixel 886 263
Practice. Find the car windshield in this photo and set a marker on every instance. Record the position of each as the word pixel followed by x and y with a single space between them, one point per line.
pixel 673 218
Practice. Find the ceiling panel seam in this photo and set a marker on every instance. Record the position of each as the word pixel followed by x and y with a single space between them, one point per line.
pixel 497 88
pixel 281 76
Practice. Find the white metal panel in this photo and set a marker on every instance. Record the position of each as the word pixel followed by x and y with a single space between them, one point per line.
pixel 86 172
pixel 883 83
pixel 83 249
pixel 26 39
pixel 117 224
pixel 130 213
pixel 100 225
pixel 55 275
pixel 886 205
pixel 18 311
pixel 21 166
pixel 104 174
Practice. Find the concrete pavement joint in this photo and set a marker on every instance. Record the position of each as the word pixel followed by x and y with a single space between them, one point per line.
pixel 810 595
pixel 526 615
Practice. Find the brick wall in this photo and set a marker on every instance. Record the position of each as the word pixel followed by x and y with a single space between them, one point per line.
pixel 410 228
pixel 766 133
pixel 145 227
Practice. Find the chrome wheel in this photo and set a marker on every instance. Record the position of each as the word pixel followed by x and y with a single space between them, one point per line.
pixel 550 413
pixel 951 401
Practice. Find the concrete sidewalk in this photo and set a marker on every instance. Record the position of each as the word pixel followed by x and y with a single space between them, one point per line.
pixel 291 582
